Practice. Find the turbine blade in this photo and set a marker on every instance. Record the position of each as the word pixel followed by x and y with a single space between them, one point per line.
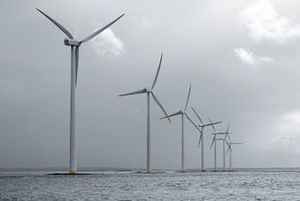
pixel 192 122
pixel 171 115
pixel 56 24
pixel 188 98
pixel 76 62
pixel 228 127
pixel 200 137
pixel 212 125
pixel 197 115
pixel 227 132
pixel 229 147
pixel 134 92
pixel 159 65
pixel 100 30
pixel 217 122
pixel 228 144
pixel 161 107
pixel 213 141
pixel 228 136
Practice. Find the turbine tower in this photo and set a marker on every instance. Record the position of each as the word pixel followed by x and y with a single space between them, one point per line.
pixel 201 137
pixel 74 44
pixel 226 133
pixel 149 91
pixel 230 153
pixel 183 114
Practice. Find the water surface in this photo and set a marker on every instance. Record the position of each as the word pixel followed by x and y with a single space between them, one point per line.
pixel 283 185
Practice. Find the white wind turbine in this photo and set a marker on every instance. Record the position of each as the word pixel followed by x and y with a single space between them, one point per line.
pixel 74 44
pixel 230 153
pixel 226 133
pixel 183 114
pixel 215 145
pixel 201 137
pixel 149 91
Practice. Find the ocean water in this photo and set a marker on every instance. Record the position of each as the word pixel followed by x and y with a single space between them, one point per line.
pixel 242 185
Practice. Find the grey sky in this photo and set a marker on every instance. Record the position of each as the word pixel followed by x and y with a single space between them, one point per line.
pixel 240 56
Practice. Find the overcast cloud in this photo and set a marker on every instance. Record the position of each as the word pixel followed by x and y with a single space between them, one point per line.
pixel 250 58
pixel 265 23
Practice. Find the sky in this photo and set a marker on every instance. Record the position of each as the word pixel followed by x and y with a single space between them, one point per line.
pixel 241 58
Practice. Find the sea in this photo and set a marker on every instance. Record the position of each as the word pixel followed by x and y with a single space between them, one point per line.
pixel 125 185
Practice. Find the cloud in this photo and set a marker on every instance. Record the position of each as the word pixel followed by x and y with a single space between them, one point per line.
pixel 264 23
pixel 290 122
pixel 107 43
pixel 250 58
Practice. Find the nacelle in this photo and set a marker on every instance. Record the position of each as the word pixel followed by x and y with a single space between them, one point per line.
pixel 70 42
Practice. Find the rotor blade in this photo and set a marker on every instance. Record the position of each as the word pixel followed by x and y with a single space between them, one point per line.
pixel 213 141
pixel 199 141
pixel 228 144
pixel 212 125
pixel 236 143
pixel 192 122
pixel 217 122
pixel 229 147
pixel 197 115
pixel 56 24
pixel 188 97
pixel 228 136
pixel 171 115
pixel 228 127
pixel 76 62
pixel 134 92
pixel 100 30
pixel 220 133
pixel 159 65
pixel 161 107
pixel 200 137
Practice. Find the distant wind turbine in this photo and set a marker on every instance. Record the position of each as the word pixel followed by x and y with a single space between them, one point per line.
pixel 74 44
pixel 149 91
pixel 215 145
pixel 230 153
pixel 183 114
pixel 201 137
pixel 226 133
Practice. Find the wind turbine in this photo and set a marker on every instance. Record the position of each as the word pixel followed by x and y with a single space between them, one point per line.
pixel 201 137
pixel 219 139
pixel 149 91
pixel 215 133
pixel 74 44
pixel 226 133
pixel 184 114
pixel 230 149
